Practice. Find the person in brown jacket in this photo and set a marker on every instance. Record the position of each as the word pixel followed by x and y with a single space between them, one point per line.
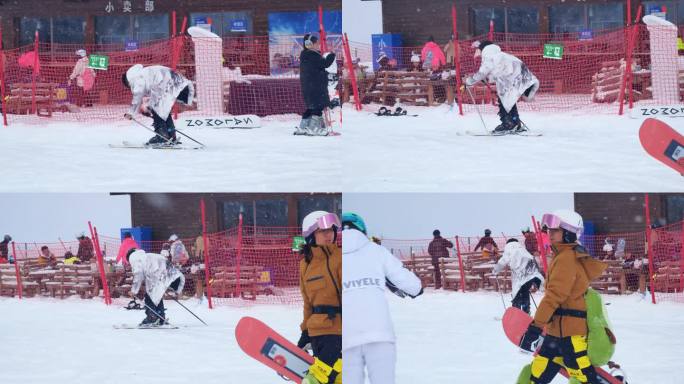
pixel 320 280
pixel 85 248
pixel 488 246
pixel 563 311
pixel 437 248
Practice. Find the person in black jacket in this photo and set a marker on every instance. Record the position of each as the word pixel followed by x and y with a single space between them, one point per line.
pixel 314 81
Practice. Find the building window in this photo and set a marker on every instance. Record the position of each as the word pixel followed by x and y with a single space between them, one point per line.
pixel 308 204
pixel 262 213
pixel 116 29
pixel 225 23
pixel 524 19
pixel 675 209
pixel 66 30
pixel 564 19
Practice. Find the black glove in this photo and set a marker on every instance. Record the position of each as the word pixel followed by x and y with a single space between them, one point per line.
pixel 393 288
pixel 532 339
pixel 304 340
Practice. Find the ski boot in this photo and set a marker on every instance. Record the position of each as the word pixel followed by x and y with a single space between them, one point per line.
pixel 318 127
pixel 319 372
pixel 303 128
pixel 149 320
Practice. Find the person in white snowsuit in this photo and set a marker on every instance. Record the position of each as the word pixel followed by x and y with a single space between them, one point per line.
pixel 513 80
pixel 159 275
pixel 178 254
pixel 163 87
pixel 369 339
pixel 525 274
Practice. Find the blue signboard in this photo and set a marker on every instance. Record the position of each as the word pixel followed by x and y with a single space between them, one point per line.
pixel 586 34
pixel 131 45
pixel 238 25
pixel 384 44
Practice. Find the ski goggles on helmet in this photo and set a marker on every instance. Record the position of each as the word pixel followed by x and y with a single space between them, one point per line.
pixel 326 221
pixel 554 222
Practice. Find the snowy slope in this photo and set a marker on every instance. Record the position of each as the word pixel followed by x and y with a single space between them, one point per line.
pixel 448 337
pixel 578 152
pixel 72 342
pixel 61 156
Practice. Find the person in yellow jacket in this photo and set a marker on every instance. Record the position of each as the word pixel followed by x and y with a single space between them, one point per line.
pixel 563 309
pixel 320 279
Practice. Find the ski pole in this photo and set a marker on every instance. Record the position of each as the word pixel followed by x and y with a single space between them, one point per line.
pixel 181 132
pixel 498 286
pixel 168 141
pixel 192 313
pixel 533 301
pixel 477 109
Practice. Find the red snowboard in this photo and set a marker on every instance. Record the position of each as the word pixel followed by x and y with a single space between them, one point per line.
pixel 664 143
pixel 515 323
pixel 267 346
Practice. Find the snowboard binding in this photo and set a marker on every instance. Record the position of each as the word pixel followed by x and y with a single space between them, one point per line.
pixel 384 111
pixel 133 304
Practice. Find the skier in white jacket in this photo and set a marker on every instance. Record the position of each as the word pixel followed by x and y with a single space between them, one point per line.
pixel 159 275
pixel 513 80
pixel 163 87
pixel 525 274
pixel 367 269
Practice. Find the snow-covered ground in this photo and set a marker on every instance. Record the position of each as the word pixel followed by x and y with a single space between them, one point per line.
pixel 67 157
pixel 450 337
pixel 73 341
pixel 577 152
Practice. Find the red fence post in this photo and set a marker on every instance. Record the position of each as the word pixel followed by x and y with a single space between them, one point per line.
pixel 460 264
pixel 457 56
pixel 238 259
pixel 35 68
pixel 321 27
pixel 540 243
pixel 491 30
pixel 100 263
pixel 16 271
pixel 649 247
pixel 634 35
pixel 206 253
pixel 352 74
pixel 2 80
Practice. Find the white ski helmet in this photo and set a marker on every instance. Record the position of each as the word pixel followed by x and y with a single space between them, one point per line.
pixel 173 237
pixel 565 219
pixel 319 220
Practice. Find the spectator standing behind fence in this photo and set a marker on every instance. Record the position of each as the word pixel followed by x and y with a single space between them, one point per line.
pixel 320 281
pixel 4 249
pixel 178 253
pixel 432 56
pixel 314 82
pixel 85 80
pixel 127 244
pixel 450 51
pixel 531 244
pixel 46 257
pixel 438 247
pixel 488 245
pixel 525 274
pixel 85 248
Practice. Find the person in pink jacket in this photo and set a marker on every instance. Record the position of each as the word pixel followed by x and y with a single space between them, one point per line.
pixel 432 55
pixel 127 244
pixel 85 79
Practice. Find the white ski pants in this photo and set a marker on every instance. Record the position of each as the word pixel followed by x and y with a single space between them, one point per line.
pixel 379 360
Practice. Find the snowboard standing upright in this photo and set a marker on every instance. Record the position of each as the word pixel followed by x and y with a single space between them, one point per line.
pixel 269 347
pixel 664 143
pixel 334 112
pixel 515 323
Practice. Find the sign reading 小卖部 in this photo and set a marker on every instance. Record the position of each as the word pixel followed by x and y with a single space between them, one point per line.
pixel 98 62
pixel 553 51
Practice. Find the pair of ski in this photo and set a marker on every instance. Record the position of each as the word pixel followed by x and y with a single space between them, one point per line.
pixel 515 322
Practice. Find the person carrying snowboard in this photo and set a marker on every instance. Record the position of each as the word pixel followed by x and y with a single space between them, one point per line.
pixel 313 77
pixel 525 274
pixel 488 245
pixel 369 340
pixel 320 278
pixel 163 87
pixel 563 310
pixel 159 275
pixel 513 79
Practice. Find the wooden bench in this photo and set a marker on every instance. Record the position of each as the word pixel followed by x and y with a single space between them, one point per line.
pixel 413 88
pixel 668 278
pixel 21 99
pixel 421 266
pixel 451 275
pixel 9 286
pixel 611 281
pixel 225 282
pixel 72 279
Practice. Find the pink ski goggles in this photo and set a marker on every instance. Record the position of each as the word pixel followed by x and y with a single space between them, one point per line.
pixel 326 221
pixel 555 222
